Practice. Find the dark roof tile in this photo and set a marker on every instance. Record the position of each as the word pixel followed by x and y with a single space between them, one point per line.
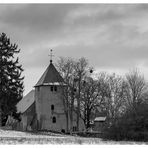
pixel 51 75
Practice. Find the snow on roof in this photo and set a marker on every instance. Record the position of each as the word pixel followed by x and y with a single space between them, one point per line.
pixel 54 83
pixel 100 119
pixel 26 102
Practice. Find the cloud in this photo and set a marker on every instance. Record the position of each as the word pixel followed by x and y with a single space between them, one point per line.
pixel 115 46
pixel 111 36
pixel 32 23
pixel 37 17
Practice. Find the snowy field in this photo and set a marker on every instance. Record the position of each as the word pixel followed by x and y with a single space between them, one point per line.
pixel 17 137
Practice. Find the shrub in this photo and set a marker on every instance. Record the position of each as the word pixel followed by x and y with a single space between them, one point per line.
pixel 131 126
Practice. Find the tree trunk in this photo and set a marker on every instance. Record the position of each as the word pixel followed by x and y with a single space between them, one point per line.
pixel 0 117
pixel 71 110
pixel 67 114
pixel 71 120
pixel 78 107
pixel 67 122
pixel 88 118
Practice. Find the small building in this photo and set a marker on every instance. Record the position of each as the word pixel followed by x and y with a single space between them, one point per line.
pixel 43 108
pixel 99 123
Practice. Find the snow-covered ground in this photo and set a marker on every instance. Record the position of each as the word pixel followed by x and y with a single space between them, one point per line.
pixel 17 137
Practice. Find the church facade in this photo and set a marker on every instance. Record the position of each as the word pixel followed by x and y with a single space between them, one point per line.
pixel 43 108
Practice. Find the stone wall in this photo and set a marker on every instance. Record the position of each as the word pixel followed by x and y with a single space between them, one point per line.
pixel 44 98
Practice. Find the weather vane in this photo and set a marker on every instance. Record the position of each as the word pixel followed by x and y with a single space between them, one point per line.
pixel 51 55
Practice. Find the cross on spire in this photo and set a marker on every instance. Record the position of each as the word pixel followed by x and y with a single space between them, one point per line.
pixel 51 55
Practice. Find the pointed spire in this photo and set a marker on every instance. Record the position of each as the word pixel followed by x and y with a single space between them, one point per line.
pixel 50 77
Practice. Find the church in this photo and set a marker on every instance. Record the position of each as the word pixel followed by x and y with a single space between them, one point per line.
pixel 43 107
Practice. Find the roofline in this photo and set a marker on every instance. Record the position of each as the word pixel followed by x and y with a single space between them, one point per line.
pixel 45 79
pixel 51 84
pixel 26 109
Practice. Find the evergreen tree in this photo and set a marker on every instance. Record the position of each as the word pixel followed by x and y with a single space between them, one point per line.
pixel 11 81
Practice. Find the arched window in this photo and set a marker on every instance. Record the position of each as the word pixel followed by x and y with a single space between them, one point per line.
pixel 52 107
pixel 55 88
pixel 54 120
pixel 51 88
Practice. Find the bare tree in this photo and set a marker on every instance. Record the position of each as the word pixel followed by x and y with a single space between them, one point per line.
pixel 81 69
pixel 111 91
pixel 89 100
pixel 136 88
pixel 73 72
pixel 66 68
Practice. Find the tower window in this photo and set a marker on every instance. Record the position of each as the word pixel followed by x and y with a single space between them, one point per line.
pixel 54 120
pixel 55 88
pixel 51 88
pixel 52 107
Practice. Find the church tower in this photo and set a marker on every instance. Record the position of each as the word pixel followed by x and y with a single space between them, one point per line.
pixel 49 102
pixel 44 108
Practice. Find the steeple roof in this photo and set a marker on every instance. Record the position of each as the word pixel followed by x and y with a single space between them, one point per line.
pixel 50 77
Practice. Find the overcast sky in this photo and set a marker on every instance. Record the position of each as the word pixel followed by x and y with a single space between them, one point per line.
pixel 113 37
